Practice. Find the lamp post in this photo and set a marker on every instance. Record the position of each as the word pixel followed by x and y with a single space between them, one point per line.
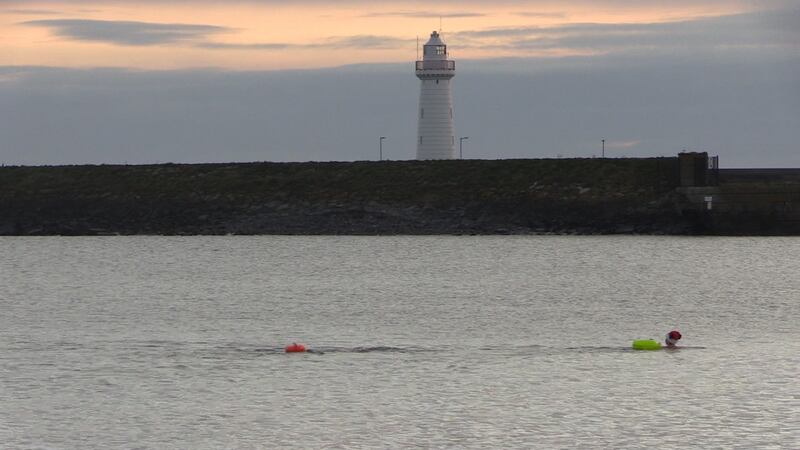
pixel 604 148
pixel 380 148
pixel 461 146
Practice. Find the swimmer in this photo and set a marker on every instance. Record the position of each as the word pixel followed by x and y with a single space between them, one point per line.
pixel 672 338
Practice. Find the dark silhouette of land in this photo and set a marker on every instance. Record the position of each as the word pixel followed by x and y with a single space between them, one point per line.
pixel 564 196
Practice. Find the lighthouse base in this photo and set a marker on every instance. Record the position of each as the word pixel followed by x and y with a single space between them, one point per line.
pixel 436 133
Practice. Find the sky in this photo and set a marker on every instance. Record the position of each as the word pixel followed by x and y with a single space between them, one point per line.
pixel 152 81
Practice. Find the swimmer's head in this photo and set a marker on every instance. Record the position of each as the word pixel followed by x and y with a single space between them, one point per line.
pixel 673 337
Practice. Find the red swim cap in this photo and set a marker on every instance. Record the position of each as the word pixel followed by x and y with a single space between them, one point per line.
pixel 675 335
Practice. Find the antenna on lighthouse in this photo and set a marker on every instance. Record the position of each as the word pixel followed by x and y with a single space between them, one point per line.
pixel 440 24
pixel 417 47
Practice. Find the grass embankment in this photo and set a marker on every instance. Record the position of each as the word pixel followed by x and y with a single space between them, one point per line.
pixel 480 196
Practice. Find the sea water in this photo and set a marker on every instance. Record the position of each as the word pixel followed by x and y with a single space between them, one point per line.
pixel 432 342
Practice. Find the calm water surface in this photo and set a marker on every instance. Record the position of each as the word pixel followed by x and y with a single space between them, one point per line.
pixel 434 342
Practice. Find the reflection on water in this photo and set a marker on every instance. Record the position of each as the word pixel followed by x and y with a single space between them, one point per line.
pixel 477 342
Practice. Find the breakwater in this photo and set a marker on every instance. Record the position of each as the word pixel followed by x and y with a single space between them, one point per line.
pixel 575 196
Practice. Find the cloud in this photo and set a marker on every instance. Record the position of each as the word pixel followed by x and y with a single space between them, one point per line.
pixel 622 144
pixel 364 41
pixel 754 29
pixel 146 33
pixel 210 45
pixel 335 42
pixel 539 15
pixel 32 12
pixel 424 14
pixel 128 33
pixel 744 107
pixel 757 29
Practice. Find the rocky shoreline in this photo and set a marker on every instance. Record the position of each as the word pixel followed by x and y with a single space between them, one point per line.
pixel 581 196
pixel 340 219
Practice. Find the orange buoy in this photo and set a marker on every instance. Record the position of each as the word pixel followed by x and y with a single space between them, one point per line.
pixel 294 347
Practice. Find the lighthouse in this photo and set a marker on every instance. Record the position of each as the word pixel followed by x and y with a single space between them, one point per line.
pixel 436 137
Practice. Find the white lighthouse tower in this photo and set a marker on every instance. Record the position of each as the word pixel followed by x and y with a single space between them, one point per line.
pixel 436 138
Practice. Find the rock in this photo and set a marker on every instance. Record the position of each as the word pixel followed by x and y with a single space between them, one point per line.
pixel 7 228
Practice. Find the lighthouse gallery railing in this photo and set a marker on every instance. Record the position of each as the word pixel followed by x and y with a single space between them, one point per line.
pixel 436 65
